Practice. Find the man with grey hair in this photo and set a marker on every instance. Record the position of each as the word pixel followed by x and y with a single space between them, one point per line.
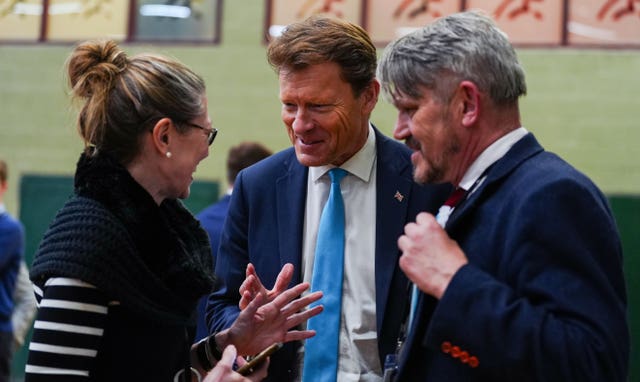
pixel 520 278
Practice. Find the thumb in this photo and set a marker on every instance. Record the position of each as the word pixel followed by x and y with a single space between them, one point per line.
pixel 229 356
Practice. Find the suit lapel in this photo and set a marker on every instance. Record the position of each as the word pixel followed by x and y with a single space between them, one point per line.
pixel 393 192
pixel 521 151
pixel 291 196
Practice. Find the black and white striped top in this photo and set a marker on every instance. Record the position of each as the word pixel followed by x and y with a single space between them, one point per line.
pixel 67 331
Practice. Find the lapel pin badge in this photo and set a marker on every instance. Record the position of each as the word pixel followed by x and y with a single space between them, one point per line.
pixel 399 197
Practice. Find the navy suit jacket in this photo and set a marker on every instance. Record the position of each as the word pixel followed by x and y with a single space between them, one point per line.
pixel 265 227
pixel 212 220
pixel 542 297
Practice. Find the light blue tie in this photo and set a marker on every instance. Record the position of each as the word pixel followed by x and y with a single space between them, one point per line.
pixel 321 351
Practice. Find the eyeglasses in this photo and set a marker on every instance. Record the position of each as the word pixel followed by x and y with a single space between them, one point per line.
pixel 211 132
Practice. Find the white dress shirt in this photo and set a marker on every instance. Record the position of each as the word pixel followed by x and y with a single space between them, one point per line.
pixel 471 179
pixel 358 359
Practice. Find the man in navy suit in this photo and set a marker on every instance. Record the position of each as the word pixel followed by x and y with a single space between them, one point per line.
pixel 212 217
pixel 521 280
pixel 328 89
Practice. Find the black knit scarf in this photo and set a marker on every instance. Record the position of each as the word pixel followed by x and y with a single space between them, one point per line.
pixel 155 260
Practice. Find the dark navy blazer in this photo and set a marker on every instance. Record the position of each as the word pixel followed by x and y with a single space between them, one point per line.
pixel 265 227
pixel 542 297
pixel 212 219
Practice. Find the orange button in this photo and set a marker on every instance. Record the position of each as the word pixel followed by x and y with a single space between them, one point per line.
pixel 464 357
pixel 473 361
pixel 455 351
pixel 446 346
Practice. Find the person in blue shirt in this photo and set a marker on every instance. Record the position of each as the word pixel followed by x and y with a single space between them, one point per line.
pixel 11 252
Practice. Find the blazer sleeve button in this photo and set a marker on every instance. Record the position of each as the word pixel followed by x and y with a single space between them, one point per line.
pixel 473 361
pixel 446 347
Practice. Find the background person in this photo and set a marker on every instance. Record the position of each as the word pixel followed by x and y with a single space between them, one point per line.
pixel 525 281
pixel 212 217
pixel 122 266
pixel 326 69
pixel 11 255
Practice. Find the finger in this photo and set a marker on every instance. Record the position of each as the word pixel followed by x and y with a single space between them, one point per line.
pixel 408 226
pixel 247 285
pixel 299 335
pixel 404 243
pixel 405 265
pixel 284 278
pixel 247 291
pixel 298 318
pixel 299 304
pixel 425 218
pixel 251 270
pixel 285 297
pixel 253 306
pixel 244 300
pixel 251 274
pixel 413 229
pixel 256 283
pixel 240 360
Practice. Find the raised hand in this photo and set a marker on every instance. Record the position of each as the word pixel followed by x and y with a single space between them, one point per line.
pixel 429 257
pixel 264 322
pixel 252 286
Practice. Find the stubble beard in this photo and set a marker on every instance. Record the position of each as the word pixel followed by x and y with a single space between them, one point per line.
pixel 434 171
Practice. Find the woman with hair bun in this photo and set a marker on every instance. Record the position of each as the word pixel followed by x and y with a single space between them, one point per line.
pixel 120 270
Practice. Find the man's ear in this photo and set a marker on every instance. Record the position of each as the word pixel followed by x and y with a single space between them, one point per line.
pixel 161 135
pixel 469 98
pixel 370 96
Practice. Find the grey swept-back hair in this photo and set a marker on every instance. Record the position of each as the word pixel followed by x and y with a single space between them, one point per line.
pixel 462 46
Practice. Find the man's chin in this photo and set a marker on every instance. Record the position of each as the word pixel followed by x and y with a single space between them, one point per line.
pixel 419 179
pixel 426 176
pixel 310 160
pixel 185 194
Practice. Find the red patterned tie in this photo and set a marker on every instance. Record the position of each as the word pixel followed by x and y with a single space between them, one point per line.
pixel 456 197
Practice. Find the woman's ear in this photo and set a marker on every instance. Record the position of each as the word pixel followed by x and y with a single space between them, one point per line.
pixel 161 135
